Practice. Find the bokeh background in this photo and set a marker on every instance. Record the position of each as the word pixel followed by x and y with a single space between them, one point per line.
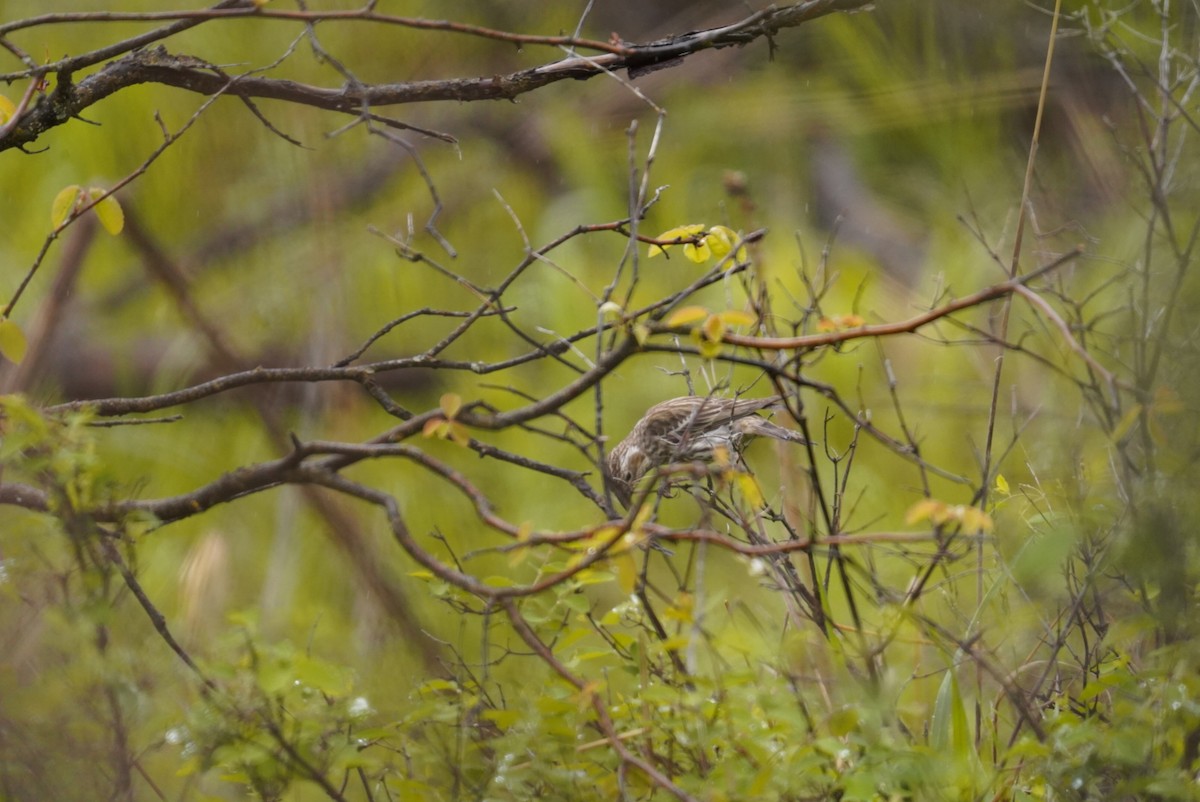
pixel 884 152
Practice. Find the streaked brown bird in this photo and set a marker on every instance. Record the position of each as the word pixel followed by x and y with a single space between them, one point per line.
pixel 689 429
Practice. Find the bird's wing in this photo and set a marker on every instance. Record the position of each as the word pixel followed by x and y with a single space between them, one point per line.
pixel 721 410
pixel 697 413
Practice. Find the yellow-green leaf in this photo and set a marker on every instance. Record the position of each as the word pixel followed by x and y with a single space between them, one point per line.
pixel 840 322
pixel 843 721
pixel 974 519
pixel 682 608
pixel 1126 423
pixel 698 251
pixel 1002 484
pixel 12 341
pixel 599 540
pixel 611 310
pixel 721 457
pixel 1167 401
pixel 440 686
pixel 633 539
pixel 64 205
pixel 450 403
pixel 503 718
pixel 627 571
pixel 7 109
pixel 588 692
pixel 457 434
pixel 679 233
pixel 641 333
pixel 750 490
pixel 737 317
pixel 517 556
pixel 330 679
pixel 641 519
pixel 720 240
pixel 109 211
pixel 713 329
pixel 923 510
pixel 687 316
pixel 1156 430
pixel 676 642
pixel 709 349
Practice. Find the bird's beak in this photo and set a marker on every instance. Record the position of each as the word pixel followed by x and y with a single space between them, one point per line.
pixel 620 491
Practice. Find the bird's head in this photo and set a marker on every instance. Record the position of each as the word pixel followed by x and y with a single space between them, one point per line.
pixel 626 465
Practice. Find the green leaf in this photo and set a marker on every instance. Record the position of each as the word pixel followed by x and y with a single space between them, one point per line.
pixel 276 674
pixel 948 731
pixel 13 344
pixel 576 602
pixel 329 679
pixel 440 686
pixel 1040 560
pixel 503 718
pixel 843 721
pixel 7 109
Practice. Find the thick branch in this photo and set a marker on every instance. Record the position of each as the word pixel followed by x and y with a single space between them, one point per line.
pixel 186 72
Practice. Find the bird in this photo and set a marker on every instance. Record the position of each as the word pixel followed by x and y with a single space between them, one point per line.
pixel 689 429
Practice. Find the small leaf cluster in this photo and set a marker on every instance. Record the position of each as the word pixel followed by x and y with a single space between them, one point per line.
pixel 58 454
pixel 940 513
pixel 73 200
pixel 700 242
pixel 445 427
